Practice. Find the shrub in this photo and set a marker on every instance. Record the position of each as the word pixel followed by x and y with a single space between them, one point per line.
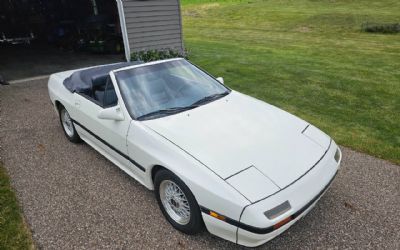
pixel 381 28
pixel 154 55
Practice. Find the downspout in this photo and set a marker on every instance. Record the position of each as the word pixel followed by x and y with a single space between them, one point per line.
pixel 181 27
pixel 124 31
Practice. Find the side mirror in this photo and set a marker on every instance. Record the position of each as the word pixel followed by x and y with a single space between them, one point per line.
pixel 220 79
pixel 113 113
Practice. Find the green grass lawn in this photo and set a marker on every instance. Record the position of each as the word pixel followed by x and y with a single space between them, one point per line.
pixel 14 234
pixel 310 58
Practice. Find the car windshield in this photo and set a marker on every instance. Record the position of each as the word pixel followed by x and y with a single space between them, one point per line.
pixel 167 88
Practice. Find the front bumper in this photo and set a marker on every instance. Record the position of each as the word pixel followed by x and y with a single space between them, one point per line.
pixel 254 228
pixel 302 196
pixel 251 239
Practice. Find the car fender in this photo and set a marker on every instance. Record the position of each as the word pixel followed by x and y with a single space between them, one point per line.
pixel 151 149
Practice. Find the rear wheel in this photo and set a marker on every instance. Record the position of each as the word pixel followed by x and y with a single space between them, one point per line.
pixel 177 203
pixel 68 126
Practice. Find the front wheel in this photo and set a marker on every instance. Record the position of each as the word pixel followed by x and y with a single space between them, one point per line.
pixel 177 203
pixel 68 126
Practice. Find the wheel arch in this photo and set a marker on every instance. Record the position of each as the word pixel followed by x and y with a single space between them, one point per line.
pixel 154 171
pixel 58 105
pixel 156 168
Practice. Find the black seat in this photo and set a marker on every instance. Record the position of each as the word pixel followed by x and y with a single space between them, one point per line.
pixel 104 91
pixel 99 96
pixel 99 83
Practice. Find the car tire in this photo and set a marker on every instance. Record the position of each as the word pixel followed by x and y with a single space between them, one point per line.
pixel 176 201
pixel 68 126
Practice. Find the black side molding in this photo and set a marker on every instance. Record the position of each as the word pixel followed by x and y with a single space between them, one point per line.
pixel 110 146
pixel 241 225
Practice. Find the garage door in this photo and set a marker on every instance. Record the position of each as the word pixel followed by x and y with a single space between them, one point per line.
pixel 151 24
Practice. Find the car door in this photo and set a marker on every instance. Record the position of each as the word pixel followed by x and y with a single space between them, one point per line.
pixel 105 135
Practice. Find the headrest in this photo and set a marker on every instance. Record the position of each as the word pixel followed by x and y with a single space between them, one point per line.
pixel 99 80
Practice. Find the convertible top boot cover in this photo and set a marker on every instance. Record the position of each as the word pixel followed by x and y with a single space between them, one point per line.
pixel 81 81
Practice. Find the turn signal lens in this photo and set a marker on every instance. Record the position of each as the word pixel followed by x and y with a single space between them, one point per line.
pixel 283 222
pixel 217 216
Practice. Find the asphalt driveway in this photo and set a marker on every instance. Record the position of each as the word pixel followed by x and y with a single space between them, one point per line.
pixel 72 197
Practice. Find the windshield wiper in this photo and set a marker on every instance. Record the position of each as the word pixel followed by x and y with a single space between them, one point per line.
pixel 175 110
pixel 210 98
pixel 164 112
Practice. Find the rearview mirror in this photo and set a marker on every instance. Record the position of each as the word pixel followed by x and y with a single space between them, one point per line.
pixel 113 113
pixel 220 79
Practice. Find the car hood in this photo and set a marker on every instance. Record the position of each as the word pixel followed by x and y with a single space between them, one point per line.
pixel 237 132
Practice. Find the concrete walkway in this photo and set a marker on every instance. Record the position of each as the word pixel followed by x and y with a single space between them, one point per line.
pixel 72 197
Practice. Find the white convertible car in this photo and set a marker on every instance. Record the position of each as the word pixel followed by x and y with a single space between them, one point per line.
pixel 242 168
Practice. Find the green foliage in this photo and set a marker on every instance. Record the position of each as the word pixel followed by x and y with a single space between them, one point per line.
pixel 381 28
pixel 210 1
pixel 309 58
pixel 154 55
pixel 13 232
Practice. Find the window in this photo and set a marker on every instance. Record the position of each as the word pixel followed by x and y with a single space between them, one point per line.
pixel 104 92
pixel 110 97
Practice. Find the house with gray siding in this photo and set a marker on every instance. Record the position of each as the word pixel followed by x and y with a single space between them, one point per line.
pixel 151 24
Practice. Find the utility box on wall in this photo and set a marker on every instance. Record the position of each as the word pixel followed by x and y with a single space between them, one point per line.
pixel 151 24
